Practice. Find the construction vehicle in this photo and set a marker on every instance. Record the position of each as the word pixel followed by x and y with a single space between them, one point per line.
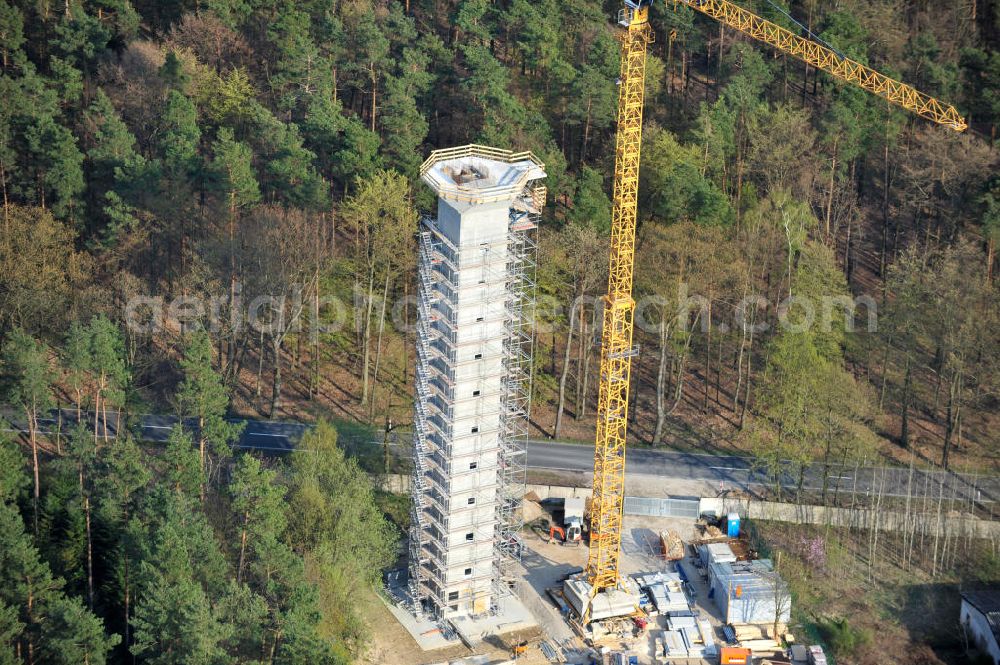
pixel 617 349
pixel 571 531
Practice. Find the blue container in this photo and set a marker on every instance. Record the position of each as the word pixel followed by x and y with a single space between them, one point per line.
pixel 733 525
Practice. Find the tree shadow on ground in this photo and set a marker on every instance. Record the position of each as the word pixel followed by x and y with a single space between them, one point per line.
pixel 930 614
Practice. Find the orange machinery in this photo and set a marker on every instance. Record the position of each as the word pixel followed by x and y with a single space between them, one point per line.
pixel 735 656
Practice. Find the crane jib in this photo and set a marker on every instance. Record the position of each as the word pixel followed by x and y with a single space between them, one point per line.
pixel 824 57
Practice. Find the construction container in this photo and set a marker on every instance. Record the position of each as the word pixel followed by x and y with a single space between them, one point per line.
pixel 750 592
pixel 716 553
pixel 735 656
pixel 733 525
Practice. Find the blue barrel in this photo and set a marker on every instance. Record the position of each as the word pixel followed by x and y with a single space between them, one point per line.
pixel 733 525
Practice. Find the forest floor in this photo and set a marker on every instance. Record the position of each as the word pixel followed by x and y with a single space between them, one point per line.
pixel 894 615
pixel 691 427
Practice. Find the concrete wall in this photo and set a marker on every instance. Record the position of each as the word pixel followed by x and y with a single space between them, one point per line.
pixel 947 523
pixel 979 632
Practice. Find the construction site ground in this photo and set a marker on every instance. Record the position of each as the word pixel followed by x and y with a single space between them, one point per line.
pixel 545 565
pixel 391 643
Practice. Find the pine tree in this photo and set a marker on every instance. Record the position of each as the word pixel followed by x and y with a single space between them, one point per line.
pixel 203 396
pixel 77 362
pixel 403 126
pixel 116 169
pixel 178 142
pixel 26 381
pixel 174 623
pixel 182 467
pixel 232 171
pixel 57 164
pixel 289 174
pixel 54 628
pixel 299 71
pixel 10 629
pixel 344 148
pixel 591 206
pixel 11 36
pixel 258 503
pixel 82 453
pixel 109 370
pixel 119 480
pixel 179 570
pixel 72 635
pixel 172 72
pixel 12 478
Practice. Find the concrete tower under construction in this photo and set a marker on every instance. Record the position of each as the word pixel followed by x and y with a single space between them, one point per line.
pixel 476 271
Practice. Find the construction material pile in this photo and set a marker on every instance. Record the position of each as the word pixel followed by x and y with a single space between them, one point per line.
pixel 608 604
pixel 665 590
pixel 686 637
pixel 672 545
pixel 816 655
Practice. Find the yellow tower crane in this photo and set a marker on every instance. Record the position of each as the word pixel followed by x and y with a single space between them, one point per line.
pixel 616 339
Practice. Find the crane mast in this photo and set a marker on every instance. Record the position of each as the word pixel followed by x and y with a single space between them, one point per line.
pixel 617 349
pixel 616 336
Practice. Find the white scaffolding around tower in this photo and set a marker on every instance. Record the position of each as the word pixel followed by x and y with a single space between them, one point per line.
pixel 516 387
pixel 476 288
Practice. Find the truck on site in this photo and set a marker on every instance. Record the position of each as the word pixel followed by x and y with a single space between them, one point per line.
pixel 570 532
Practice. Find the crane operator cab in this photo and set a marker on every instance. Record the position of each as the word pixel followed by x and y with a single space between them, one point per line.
pixel 634 11
pixel 639 8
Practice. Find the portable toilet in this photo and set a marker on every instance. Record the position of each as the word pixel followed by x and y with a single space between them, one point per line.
pixel 733 525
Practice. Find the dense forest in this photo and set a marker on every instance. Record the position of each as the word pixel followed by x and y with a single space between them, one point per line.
pixel 209 210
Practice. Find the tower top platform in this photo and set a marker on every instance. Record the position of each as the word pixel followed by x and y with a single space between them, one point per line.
pixel 477 174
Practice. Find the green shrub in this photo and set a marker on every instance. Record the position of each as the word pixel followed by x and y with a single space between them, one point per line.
pixel 843 638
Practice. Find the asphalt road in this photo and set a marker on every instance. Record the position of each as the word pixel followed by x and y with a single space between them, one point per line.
pixel 730 471
pixel 736 471
pixel 265 435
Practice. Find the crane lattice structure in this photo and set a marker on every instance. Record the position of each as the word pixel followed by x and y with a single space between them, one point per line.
pixel 616 335
pixel 830 61
pixel 617 349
